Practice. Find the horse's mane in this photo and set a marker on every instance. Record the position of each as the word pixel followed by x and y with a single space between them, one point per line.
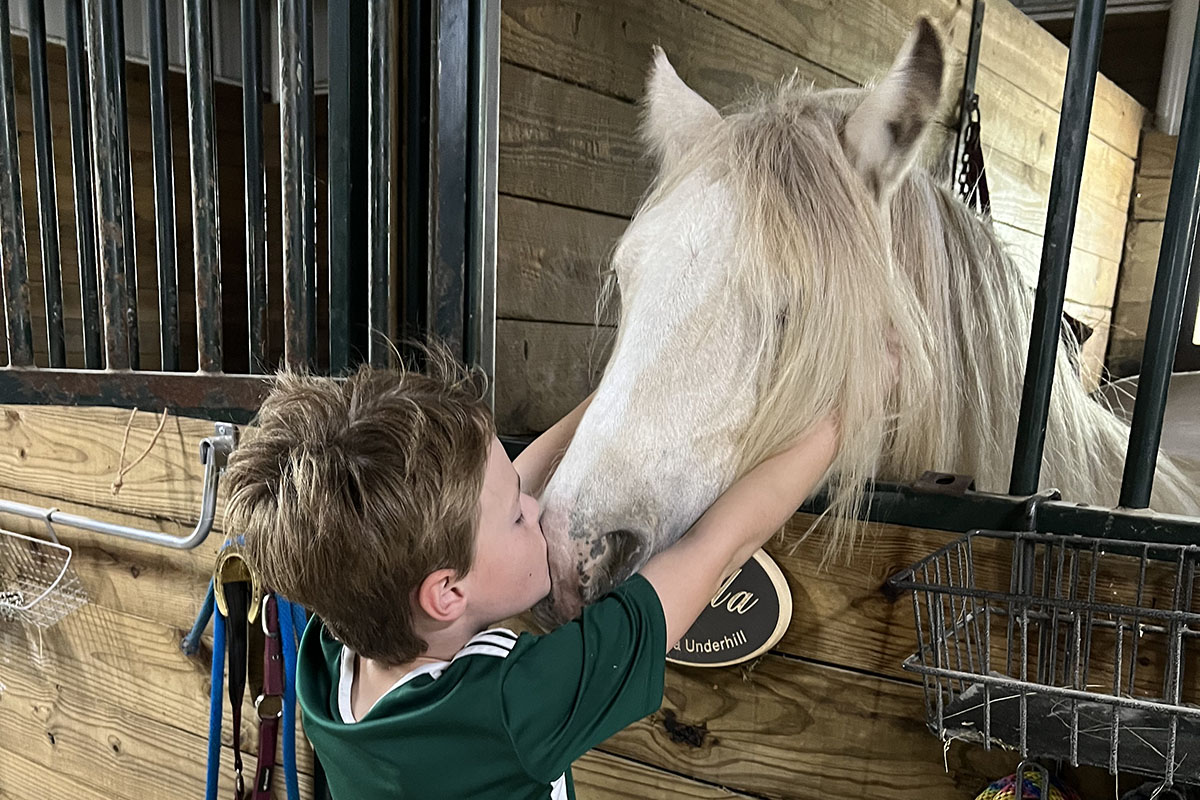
pixel 835 284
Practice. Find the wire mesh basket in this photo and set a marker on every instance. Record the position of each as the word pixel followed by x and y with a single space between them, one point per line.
pixel 1062 647
pixel 38 587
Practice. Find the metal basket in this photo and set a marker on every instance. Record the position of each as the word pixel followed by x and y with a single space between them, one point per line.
pixel 1062 647
pixel 38 587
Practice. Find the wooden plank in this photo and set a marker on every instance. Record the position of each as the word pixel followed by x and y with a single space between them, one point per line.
pixel 788 728
pixel 93 738
pixel 1013 47
pixel 569 145
pixel 1158 154
pixel 618 36
pixel 553 258
pixel 603 776
pixel 543 370
pixel 1020 196
pixel 1131 314
pixel 20 778
pixel 547 38
pixel 97 657
pixel 1150 198
pixel 1091 280
pixel 73 454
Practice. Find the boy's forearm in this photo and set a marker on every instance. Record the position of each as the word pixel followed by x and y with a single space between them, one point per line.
pixel 535 462
pixel 742 520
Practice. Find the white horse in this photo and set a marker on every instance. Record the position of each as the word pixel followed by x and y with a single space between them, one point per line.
pixel 786 259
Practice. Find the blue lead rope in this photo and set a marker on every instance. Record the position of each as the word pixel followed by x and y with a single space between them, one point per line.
pixel 216 705
pixel 289 633
pixel 292 620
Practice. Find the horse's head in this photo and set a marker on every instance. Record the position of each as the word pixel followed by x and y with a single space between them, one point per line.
pixel 757 294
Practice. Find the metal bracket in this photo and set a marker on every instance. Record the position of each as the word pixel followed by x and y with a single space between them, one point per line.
pixel 214 454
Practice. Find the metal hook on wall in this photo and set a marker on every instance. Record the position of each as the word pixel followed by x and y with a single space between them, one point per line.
pixel 214 454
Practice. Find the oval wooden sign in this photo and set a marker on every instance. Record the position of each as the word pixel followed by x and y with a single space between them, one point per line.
pixel 746 618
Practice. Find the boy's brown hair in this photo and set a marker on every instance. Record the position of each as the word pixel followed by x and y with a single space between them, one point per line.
pixel 349 493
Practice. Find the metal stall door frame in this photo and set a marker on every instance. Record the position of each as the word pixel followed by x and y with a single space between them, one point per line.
pixel 413 96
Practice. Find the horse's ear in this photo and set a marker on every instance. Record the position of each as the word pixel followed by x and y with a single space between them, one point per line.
pixel 882 134
pixel 674 117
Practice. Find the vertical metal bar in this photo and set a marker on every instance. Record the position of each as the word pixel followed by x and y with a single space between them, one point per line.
pixel 255 187
pixel 481 245
pixel 116 22
pixel 1056 247
pixel 81 168
pixel 164 188
pixel 351 148
pixel 108 186
pixel 449 121
pixel 299 183
pixel 47 194
pixel 1166 307
pixel 12 216
pixel 414 176
pixel 381 20
pixel 206 233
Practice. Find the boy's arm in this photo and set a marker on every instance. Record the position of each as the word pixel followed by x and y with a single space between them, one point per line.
pixel 688 574
pixel 536 462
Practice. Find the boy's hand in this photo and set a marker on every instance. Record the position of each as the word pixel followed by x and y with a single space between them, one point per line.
pixel 688 574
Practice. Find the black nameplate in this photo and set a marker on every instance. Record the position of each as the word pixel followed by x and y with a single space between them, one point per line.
pixel 746 618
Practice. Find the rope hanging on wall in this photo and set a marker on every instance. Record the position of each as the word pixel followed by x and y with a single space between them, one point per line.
pixel 122 469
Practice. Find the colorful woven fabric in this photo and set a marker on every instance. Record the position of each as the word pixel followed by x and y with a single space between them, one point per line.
pixel 1005 789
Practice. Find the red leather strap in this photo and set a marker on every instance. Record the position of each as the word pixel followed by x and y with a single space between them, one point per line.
pixel 270 703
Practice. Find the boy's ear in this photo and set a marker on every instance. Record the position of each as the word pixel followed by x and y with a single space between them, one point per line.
pixel 441 596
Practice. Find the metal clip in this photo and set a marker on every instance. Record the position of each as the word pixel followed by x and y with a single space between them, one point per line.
pixel 232 567
pixel 269 706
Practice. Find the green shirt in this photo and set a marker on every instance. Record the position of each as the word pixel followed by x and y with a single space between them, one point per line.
pixel 503 719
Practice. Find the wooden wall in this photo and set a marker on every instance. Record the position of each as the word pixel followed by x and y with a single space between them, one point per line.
pixel 571 168
pixel 1140 262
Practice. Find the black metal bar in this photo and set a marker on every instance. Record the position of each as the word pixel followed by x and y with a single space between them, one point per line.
pixel 206 231
pixel 12 215
pixel 379 114
pixel 43 138
pixel 349 240
pixel 108 186
pixel 1166 307
pixel 224 398
pixel 299 183
pixel 484 104
pixel 414 176
pixel 448 172
pixel 164 188
pixel 116 22
pixel 1056 247
pixel 255 187
pixel 81 168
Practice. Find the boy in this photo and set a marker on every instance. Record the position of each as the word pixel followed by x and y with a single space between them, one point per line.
pixel 387 506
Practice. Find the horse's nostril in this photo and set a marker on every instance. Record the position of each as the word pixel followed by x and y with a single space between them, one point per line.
pixel 615 556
